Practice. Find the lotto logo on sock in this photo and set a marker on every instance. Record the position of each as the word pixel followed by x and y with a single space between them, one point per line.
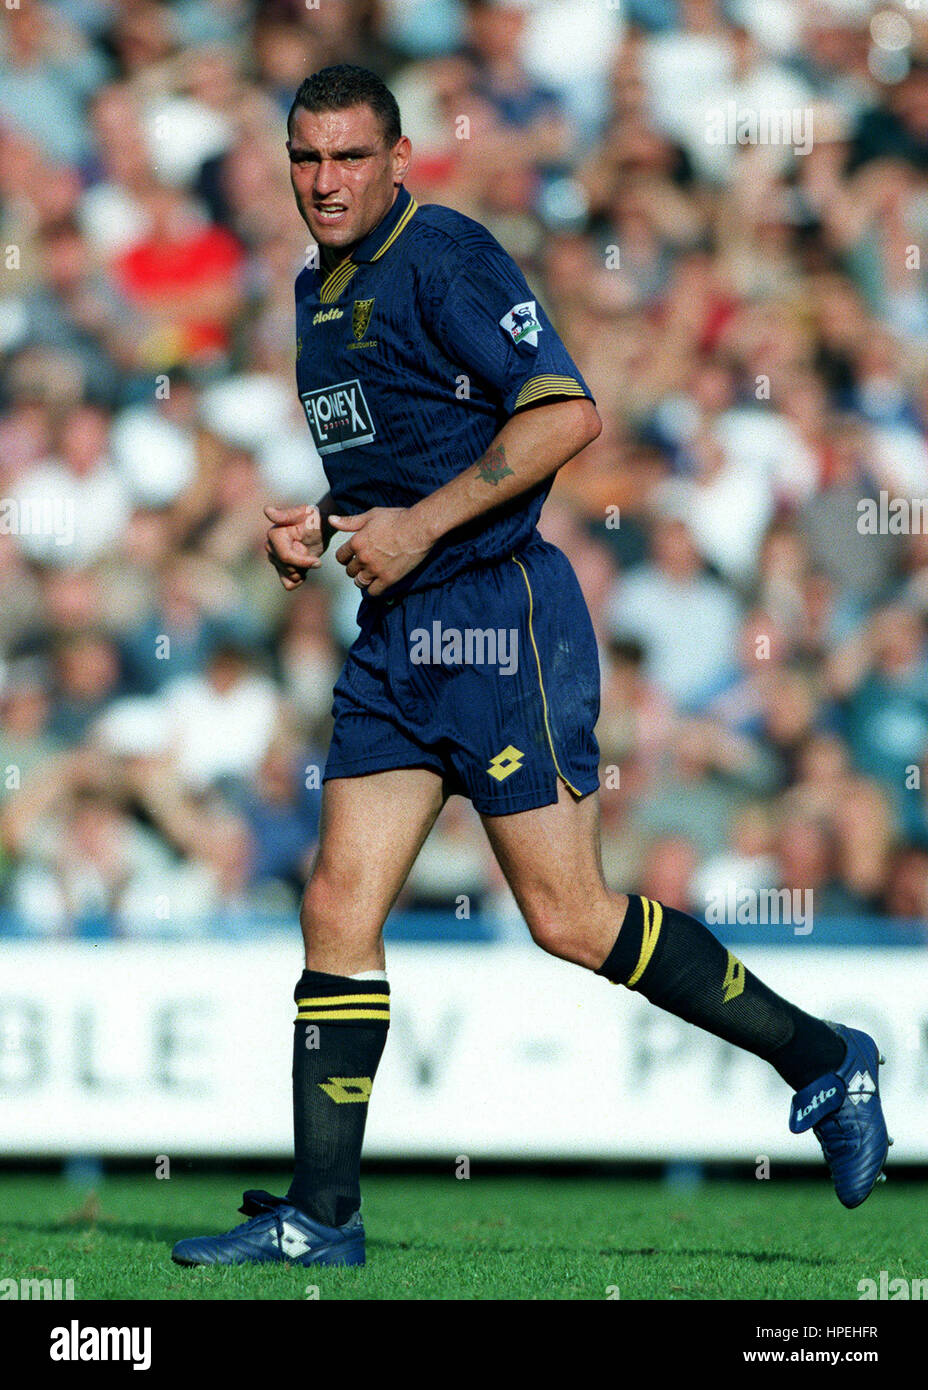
pixel 733 983
pixel 346 1090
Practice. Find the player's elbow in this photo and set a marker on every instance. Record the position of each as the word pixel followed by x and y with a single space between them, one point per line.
pixel 585 423
pixel 592 421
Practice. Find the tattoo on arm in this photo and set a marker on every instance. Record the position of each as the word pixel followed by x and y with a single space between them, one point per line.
pixel 492 467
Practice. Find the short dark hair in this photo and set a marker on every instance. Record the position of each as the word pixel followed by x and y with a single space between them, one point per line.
pixel 343 85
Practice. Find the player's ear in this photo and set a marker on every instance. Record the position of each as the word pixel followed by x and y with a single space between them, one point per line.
pixel 402 151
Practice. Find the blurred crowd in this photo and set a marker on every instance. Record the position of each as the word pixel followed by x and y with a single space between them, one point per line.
pixel 751 317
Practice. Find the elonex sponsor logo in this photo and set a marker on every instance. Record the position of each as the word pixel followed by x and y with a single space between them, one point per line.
pixel 76 1343
pixel 338 416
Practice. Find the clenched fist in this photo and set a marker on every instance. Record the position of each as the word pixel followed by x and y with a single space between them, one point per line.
pixel 387 543
pixel 295 542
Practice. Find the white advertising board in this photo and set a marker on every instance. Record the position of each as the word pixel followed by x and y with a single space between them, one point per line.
pixel 184 1049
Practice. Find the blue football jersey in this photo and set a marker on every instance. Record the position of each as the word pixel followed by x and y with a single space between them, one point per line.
pixel 411 355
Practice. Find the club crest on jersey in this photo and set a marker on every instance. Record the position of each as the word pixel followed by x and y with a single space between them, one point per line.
pixel 521 323
pixel 361 317
pixel 338 416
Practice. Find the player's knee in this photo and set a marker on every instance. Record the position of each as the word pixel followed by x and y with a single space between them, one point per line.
pixel 334 911
pixel 552 935
pixel 552 926
pixel 565 927
pixel 322 906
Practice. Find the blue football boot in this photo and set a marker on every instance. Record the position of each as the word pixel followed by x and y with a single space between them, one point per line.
pixel 276 1234
pixel 844 1112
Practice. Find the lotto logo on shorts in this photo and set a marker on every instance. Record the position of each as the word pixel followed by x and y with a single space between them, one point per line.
pixel 339 417
pixel 505 763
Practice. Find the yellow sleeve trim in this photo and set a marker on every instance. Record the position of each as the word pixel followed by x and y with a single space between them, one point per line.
pixel 537 387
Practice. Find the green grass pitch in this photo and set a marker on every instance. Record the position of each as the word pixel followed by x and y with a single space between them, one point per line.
pixel 517 1237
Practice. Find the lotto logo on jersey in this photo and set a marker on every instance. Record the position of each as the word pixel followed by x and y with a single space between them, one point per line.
pixel 521 323
pixel 338 416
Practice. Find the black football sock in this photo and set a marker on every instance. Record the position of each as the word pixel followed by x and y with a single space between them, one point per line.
pixel 341 1029
pixel 676 963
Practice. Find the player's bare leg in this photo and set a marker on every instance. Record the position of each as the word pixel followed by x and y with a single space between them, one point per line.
pixel 371 831
pixel 551 859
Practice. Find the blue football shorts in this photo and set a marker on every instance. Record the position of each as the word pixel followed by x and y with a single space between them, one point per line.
pixel 491 679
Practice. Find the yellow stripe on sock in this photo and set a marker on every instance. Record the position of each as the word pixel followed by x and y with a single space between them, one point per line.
pixel 324 999
pixel 652 930
pixel 383 1015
